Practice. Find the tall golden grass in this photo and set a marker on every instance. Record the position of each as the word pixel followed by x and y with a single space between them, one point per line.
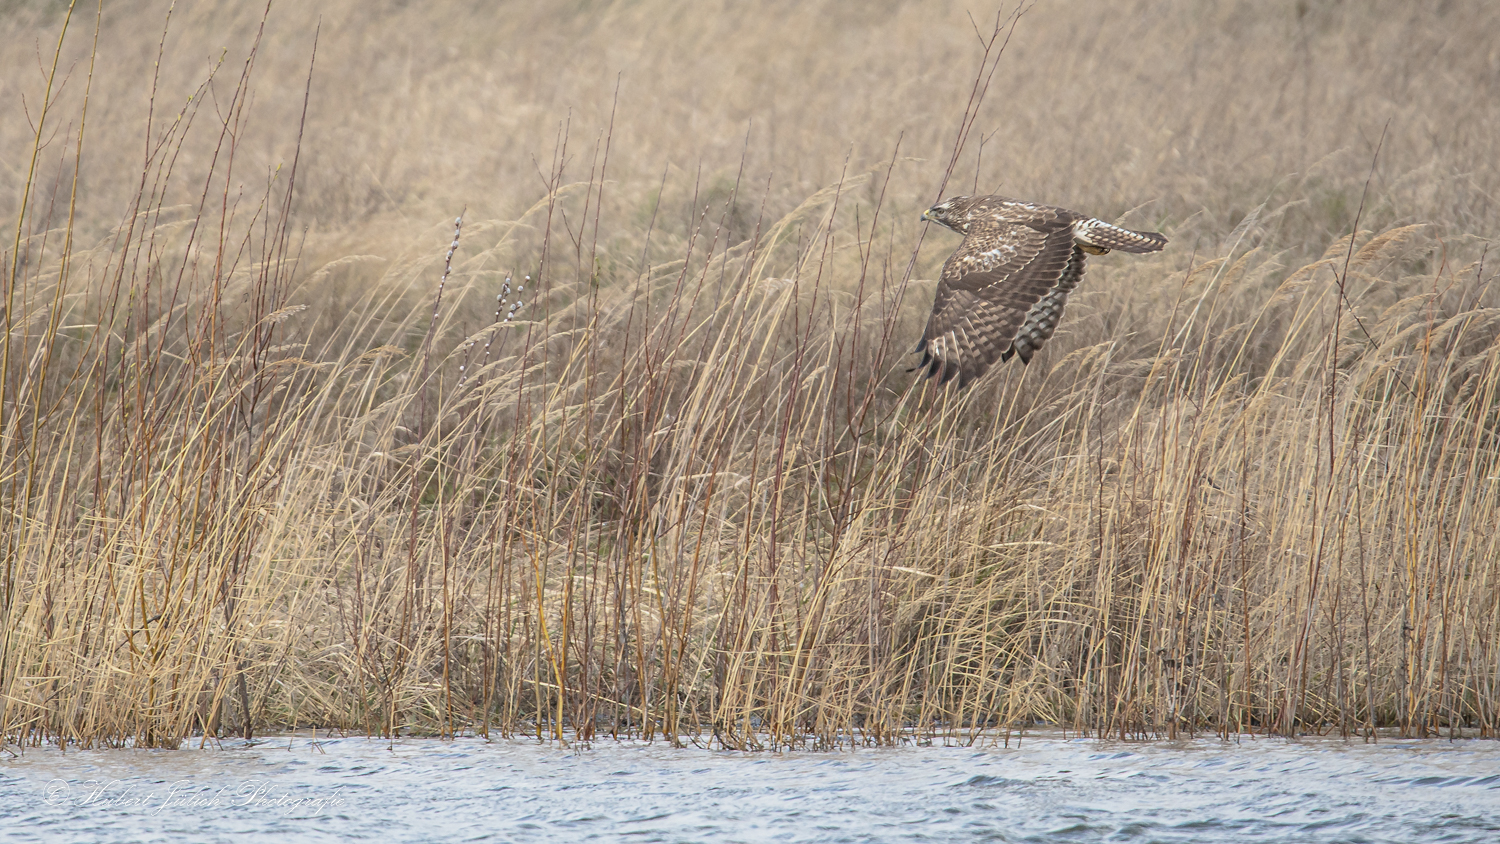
pixel 634 450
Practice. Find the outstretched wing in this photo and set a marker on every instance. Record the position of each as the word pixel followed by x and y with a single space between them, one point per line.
pixel 1043 317
pixel 988 286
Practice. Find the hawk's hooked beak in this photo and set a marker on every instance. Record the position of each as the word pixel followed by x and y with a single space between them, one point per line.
pixel 925 213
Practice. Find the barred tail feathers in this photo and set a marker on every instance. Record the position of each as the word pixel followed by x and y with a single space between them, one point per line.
pixel 1101 235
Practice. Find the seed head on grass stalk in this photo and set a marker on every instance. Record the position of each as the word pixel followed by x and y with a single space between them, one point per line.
pixel 437 304
pixel 503 304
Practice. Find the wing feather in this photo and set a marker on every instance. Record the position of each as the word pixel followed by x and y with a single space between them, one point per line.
pixel 988 287
pixel 1043 317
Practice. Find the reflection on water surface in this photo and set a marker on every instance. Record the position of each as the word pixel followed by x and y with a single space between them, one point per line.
pixel 1046 789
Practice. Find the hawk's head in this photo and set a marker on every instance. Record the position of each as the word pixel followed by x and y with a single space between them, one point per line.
pixel 952 213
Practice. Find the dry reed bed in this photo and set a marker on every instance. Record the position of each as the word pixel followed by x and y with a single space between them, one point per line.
pixel 587 474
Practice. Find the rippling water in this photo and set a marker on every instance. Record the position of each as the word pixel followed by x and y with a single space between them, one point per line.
pixel 1046 789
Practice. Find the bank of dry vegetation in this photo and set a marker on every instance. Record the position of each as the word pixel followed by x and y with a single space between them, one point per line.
pixel 641 456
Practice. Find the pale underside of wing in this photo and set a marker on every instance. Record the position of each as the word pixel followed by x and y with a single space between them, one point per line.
pixel 988 290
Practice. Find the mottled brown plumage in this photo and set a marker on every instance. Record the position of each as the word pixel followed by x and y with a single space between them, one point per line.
pixel 1002 291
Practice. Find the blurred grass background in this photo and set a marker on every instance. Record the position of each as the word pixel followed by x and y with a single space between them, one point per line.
pixel 273 457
